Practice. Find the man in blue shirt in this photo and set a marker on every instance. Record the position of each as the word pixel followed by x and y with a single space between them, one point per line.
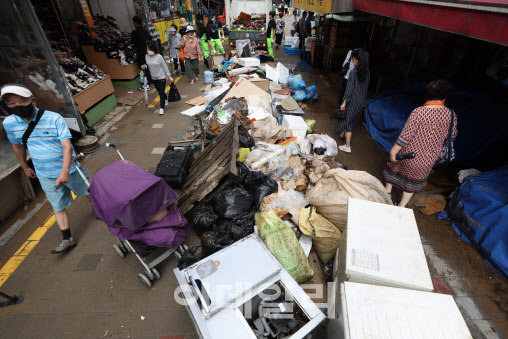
pixel 306 32
pixel 51 152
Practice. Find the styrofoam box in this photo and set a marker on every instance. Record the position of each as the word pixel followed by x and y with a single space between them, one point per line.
pixel 290 40
pixel 369 311
pixel 296 124
pixel 249 62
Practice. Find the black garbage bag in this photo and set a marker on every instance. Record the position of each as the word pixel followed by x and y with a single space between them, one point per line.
pixel 223 226
pixel 173 94
pixel 212 242
pixel 233 203
pixel 319 150
pixel 203 219
pixel 246 141
pixel 260 185
pixel 191 256
pixel 243 172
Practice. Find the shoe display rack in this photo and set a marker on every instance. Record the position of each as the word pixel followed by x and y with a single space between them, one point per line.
pixel 93 94
pixel 115 69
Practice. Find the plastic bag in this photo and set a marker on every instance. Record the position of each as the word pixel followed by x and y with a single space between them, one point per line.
pixel 296 83
pixel 331 194
pixel 299 95
pixel 304 145
pixel 282 242
pixel 203 219
pixel 243 171
pixel 190 257
pixel 255 155
pixel 242 154
pixel 233 203
pixel 260 185
pixel 290 201
pixel 324 141
pixel 212 242
pixel 173 94
pixel 311 93
pixel 311 124
pixel 325 235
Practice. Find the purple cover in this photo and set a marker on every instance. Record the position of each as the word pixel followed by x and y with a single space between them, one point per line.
pixel 125 192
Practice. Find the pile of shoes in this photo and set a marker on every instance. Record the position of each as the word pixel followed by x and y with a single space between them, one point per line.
pixel 79 74
pixel 42 78
pixel 109 40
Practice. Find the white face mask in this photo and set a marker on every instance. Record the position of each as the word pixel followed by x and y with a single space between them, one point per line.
pixel 150 52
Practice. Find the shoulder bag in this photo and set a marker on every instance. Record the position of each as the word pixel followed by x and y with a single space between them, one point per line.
pixel 447 153
pixel 30 128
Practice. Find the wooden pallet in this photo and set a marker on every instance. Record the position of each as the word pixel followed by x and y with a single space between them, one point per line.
pixel 213 170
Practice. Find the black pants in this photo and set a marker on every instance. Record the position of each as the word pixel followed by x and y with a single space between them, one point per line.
pixel 182 64
pixel 302 45
pixel 160 86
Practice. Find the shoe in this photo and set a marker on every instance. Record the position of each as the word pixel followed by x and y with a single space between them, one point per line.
pixel 343 148
pixel 161 111
pixel 65 245
pixel 342 135
pixel 166 102
pixel 196 78
pixel 192 82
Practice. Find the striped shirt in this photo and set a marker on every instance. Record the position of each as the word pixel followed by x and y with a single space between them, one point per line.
pixel 44 144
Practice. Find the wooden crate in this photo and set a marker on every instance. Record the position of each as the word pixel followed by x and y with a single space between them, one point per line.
pixel 93 94
pixel 112 67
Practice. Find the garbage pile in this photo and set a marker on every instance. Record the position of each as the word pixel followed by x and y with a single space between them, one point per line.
pixel 289 189
pixel 253 22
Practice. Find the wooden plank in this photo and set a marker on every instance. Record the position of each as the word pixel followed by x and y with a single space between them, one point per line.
pixel 225 133
pixel 234 150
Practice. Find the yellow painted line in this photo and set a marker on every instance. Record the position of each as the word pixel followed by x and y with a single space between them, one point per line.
pixel 323 80
pixel 157 99
pixel 13 263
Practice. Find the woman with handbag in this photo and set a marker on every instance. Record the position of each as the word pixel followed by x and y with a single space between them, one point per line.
pixel 159 71
pixel 429 132
pixel 351 108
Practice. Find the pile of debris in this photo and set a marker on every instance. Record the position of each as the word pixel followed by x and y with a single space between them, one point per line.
pixel 255 22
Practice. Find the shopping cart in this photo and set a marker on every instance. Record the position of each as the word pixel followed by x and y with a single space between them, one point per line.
pixel 140 211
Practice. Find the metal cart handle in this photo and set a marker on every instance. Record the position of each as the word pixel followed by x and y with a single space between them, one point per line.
pixel 116 149
pixel 200 296
pixel 81 174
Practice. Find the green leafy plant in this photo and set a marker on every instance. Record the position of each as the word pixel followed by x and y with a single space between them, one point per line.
pixel 181 11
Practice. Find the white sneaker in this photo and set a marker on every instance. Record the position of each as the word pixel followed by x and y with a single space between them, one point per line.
pixel 161 111
pixel 343 148
pixel 166 103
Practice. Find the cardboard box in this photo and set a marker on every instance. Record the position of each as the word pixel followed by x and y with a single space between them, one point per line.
pixel 264 84
pixel 93 94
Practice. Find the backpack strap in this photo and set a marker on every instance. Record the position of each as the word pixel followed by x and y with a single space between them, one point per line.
pixel 31 127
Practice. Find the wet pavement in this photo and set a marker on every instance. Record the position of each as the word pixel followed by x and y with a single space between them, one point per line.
pixel 92 292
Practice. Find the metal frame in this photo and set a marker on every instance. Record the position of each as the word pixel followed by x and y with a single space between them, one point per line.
pixel 147 266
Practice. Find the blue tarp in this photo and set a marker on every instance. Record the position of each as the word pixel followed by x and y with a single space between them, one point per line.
pixel 478 211
pixel 482 121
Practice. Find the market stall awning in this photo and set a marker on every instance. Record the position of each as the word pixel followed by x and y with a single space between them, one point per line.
pixel 482 19
pixel 325 6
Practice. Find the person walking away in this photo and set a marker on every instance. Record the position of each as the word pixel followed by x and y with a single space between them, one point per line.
pixel 279 32
pixel 50 148
pixel 424 133
pixel 158 69
pixel 190 45
pixel 174 40
pixel 214 34
pixel 307 32
pixel 354 98
pixel 139 38
pixel 347 66
pixel 300 30
pixel 270 33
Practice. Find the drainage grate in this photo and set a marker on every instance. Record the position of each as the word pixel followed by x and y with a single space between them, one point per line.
pixel 88 262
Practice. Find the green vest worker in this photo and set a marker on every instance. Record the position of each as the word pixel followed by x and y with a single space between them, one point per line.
pixel 214 32
pixel 270 33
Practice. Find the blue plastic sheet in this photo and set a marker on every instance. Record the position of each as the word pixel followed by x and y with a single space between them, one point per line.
pixel 481 116
pixel 296 83
pixel 311 93
pixel 478 211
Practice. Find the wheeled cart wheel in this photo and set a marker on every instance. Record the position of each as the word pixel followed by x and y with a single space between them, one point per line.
pixel 144 279
pixel 127 247
pixel 118 251
pixel 177 255
pixel 156 274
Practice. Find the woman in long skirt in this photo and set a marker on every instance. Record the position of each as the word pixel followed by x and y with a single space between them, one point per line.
pixel 424 133
pixel 354 98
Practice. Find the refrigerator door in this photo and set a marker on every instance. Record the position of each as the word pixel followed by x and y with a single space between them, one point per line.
pixel 230 273
pixel 386 312
pixel 384 247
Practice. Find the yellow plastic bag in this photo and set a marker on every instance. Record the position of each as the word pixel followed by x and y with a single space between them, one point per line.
pixel 325 235
pixel 282 242
pixel 242 154
pixel 311 124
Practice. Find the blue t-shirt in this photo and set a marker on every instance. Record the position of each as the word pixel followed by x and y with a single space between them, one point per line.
pixel 44 144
